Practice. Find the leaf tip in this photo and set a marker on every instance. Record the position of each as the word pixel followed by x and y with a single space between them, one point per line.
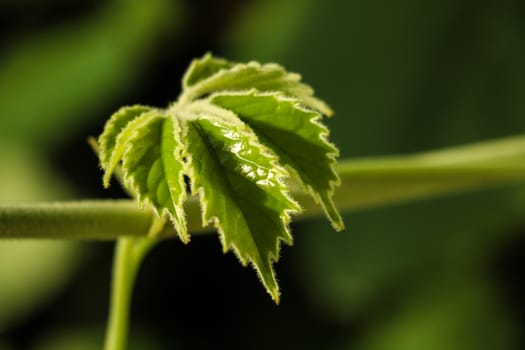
pixel 183 236
pixel 339 226
pixel 269 283
pixel 335 219
pixel 273 290
pixel 276 298
pixel 331 212
pixel 178 220
pixel 106 179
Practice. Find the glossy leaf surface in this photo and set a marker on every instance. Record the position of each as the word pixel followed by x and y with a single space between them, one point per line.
pixel 241 193
pixel 296 135
pixel 237 133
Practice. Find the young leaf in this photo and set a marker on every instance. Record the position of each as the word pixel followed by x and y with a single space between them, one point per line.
pixel 245 76
pixel 203 68
pixel 150 149
pixel 114 154
pixel 242 193
pixel 296 135
pixel 112 129
pixel 232 132
pixel 154 168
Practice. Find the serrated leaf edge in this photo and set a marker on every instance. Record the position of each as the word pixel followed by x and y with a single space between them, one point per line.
pixel 266 151
pixel 302 90
pixel 178 219
pixel 206 57
pixel 323 199
pixel 122 143
pixel 207 218
pixel 108 128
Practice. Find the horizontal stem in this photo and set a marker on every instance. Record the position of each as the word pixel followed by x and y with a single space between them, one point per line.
pixel 365 183
pixel 88 219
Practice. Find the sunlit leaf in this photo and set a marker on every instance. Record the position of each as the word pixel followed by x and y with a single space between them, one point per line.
pixel 113 127
pixel 241 193
pixel 150 150
pixel 245 76
pixel 203 68
pixel 296 135
pixel 238 132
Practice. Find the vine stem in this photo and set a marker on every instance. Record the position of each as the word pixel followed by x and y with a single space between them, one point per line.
pixel 365 183
pixel 129 253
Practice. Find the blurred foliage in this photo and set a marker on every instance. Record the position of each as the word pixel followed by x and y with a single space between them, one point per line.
pixel 48 78
pixel 42 268
pixel 390 252
pixel 463 316
pixel 402 76
pixel 26 177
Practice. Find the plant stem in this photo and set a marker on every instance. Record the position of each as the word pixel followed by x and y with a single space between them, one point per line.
pixel 129 253
pixel 365 183
pixel 89 220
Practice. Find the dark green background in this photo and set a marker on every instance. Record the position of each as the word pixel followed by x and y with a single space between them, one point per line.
pixel 402 76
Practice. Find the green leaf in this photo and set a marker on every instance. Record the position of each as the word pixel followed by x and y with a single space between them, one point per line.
pixel 296 135
pixel 150 149
pixel 242 193
pixel 154 167
pixel 112 129
pixel 244 76
pixel 203 68
pixel 111 151
pixel 237 133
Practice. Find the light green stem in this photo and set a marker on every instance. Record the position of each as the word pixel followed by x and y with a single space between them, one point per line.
pixel 365 183
pixel 129 253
